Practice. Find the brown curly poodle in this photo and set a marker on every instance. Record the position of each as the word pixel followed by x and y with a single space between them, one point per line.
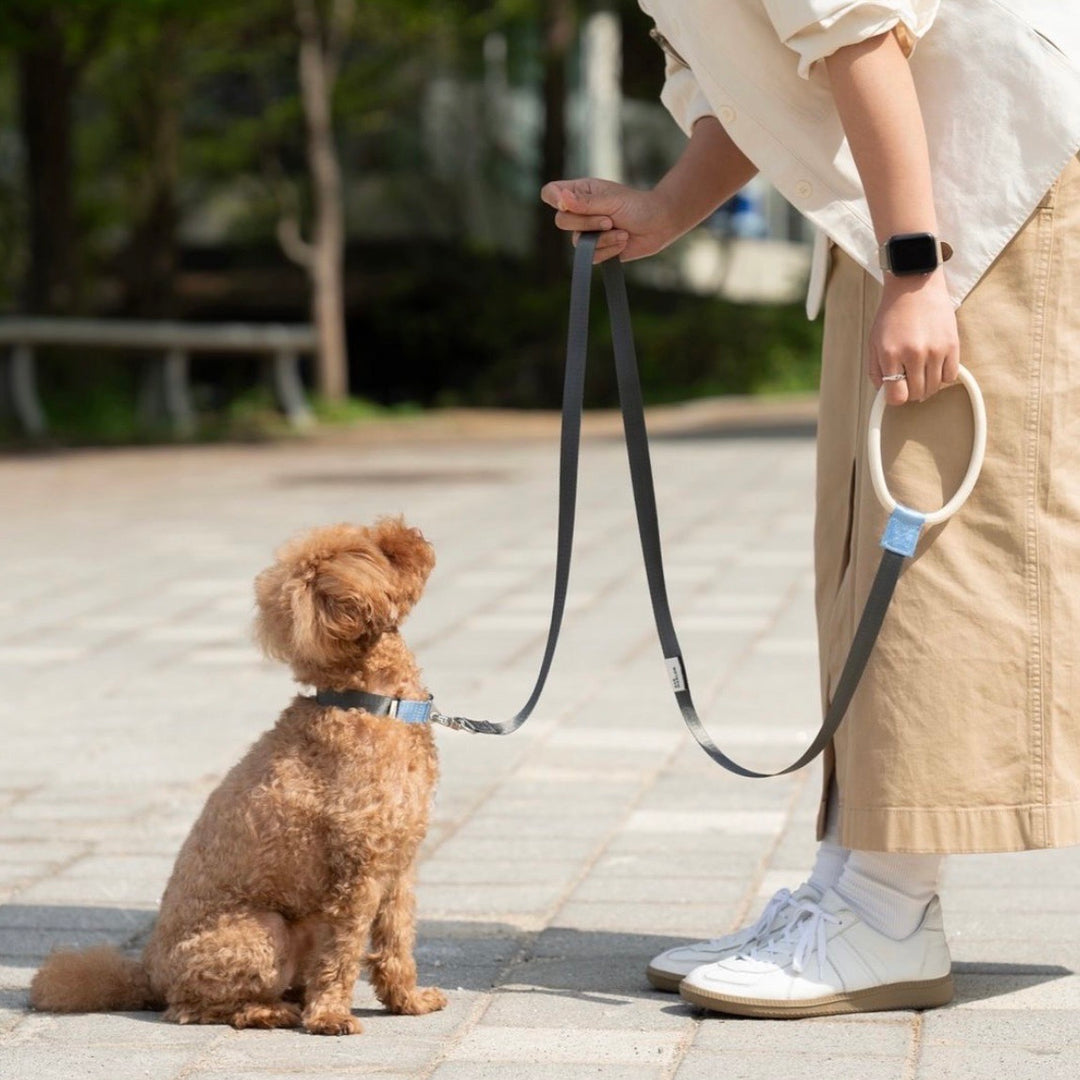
pixel 306 850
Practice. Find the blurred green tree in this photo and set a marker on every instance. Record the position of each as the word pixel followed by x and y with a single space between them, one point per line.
pixel 53 45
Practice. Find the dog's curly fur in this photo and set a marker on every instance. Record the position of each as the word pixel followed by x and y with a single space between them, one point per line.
pixel 305 852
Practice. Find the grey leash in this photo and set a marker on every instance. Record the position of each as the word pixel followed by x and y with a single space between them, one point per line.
pixel 898 540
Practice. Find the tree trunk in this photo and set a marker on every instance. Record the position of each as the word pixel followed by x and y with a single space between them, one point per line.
pixel 46 80
pixel 325 260
pixel 150 261
pixel 558 37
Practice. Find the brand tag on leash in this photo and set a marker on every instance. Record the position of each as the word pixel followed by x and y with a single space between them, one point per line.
pixel 675 672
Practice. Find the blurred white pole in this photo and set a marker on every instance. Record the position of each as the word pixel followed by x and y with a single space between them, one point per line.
pixel 602 62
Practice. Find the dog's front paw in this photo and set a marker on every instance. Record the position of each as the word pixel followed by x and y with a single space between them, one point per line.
pixel 331 1022
pixel 417 1002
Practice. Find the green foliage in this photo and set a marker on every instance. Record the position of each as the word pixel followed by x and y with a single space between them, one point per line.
pixel 429 323
pixel 357 409
pixel 471 328
pixel 93 404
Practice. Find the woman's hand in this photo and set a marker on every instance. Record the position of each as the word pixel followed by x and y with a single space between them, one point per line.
pixel 914 334
pixel 633 223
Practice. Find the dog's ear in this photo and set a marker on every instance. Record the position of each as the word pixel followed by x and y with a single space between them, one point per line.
pixel 338 585
pixel 410 556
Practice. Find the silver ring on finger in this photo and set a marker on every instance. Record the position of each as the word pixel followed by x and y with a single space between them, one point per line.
pixel 900 376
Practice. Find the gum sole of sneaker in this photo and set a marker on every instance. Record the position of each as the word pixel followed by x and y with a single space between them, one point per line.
pixel 661 980
pixel 924 994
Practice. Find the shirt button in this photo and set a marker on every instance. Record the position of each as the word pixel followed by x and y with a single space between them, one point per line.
pixel 727 115
pixel 804 189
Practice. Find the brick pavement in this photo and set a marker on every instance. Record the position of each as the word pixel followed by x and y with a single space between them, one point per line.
pixel 559 860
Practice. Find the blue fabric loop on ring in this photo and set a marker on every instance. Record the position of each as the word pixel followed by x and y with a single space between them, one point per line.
pixel 902 530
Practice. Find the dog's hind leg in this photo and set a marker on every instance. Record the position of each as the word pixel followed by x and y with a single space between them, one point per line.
pixel 392 964
pixel 233 972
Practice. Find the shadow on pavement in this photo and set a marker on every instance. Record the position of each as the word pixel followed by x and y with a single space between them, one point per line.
pixel 588 965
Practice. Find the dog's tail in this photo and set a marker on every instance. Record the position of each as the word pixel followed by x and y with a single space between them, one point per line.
pixel 95 980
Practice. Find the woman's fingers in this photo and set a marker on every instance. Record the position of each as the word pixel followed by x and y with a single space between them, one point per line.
pixel 914 348
pixel 923 376
pixel 896 390
pixel 575 196
pixel 932 376
pixel 914 367
pixel 951 370
pixel 582 222
pixel 608 244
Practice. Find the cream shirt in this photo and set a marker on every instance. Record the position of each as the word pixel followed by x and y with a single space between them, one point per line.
pixel 998 83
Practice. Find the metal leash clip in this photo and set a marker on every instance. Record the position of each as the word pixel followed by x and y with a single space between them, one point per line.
pixel 455 723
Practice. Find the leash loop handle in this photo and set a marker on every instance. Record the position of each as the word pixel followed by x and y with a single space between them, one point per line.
pixel 978 454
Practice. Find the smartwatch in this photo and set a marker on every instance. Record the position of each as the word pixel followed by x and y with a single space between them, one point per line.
pixel 913 253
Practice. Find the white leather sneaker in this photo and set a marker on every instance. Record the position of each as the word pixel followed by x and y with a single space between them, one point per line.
pixel 828 961
pixel 669 968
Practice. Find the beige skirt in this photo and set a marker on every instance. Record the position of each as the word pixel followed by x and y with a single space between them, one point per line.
pixel 964 734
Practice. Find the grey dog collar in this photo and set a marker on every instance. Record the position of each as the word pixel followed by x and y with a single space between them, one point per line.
pixel 405 709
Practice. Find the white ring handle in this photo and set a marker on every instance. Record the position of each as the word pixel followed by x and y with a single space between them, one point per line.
pixel 978 452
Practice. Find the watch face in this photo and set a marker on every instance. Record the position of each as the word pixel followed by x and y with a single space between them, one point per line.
pixel 913 253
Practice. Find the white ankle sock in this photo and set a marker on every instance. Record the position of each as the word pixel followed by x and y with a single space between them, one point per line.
pixel 830 855
pixel 889 891
pixel 827 866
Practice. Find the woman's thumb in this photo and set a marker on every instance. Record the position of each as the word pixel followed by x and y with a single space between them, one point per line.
pixel 574 196
pixel 580 198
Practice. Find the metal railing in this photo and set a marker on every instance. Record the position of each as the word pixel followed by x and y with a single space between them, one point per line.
pixel 166 386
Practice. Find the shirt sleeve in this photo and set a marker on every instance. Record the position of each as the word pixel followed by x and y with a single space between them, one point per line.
pixel 682 97
pixel 817 28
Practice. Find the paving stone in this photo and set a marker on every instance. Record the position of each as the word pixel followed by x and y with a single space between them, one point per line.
pixel 115 1030
pixel 476 1070
pixel 1056 988
pixel 691 920
pixel 707 847
pixel 519 1004
pixel 558 1045
pixel 15 976
pixel 621 971
pixel 37 944
pixel 1034 927
pixel 485 900
pixel 602 794
pixel 1043 1031
pixel 94 891
pixel 660 865
pixel 765 1065
pixel 993 1062
pixel 38 853
pixel 892 1038
pixel 120 921
pixel 484 872
pixel 723 822
pixel 299 1074
pixel 599 888
pixel 566 943
pixel 986 956
pixel 65 1061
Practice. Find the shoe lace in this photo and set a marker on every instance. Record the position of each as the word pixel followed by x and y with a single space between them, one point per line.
pixel 804 936
pixel 779 901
